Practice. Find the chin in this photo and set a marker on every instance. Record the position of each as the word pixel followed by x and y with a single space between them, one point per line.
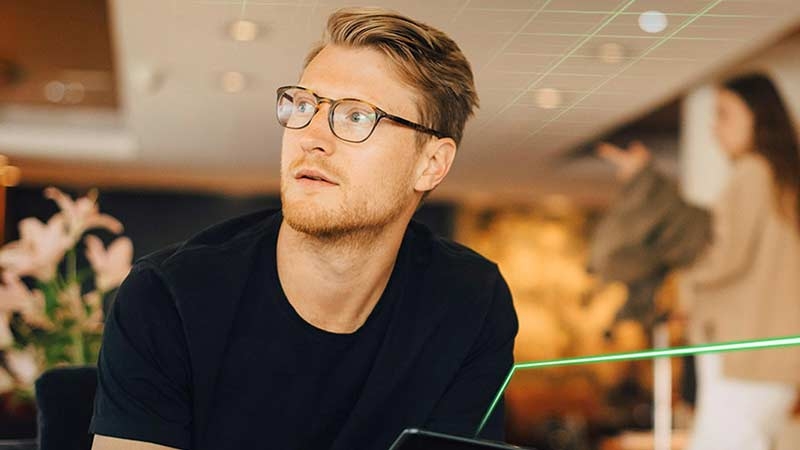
pixel 308 215
pixel 337 221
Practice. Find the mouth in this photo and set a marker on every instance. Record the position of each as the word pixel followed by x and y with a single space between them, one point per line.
pixel 314 177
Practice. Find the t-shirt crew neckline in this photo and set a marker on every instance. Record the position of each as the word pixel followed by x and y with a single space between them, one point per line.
pixel 390 295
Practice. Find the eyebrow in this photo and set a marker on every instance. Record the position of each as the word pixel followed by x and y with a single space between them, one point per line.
pixel 379 103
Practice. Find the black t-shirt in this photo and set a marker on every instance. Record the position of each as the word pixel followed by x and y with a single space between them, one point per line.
pixel 202 350
pixel 301 380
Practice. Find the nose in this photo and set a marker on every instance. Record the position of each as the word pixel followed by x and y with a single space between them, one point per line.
pixel 317 135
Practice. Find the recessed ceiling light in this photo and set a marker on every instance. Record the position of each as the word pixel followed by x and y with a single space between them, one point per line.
pixel 233 82
pixel 147 79
pixel 548 98
pixel 243 30
pixel 611 53
pixel 68 93
pixel 75 93
pixel 54 91
pixel 653 21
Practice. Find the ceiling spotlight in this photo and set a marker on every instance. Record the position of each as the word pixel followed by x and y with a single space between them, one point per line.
pixel 54 91
pixel 75 93
pixel 70 93
pixel 548 98
pixel 147 79
pixel 243 30
pixel 611 53
pixel 653 21
pixel 232 82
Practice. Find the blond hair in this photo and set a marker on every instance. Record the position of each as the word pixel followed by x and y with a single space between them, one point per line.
pixel 425 58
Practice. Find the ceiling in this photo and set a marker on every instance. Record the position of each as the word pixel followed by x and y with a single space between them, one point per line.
pixel 60 44
pixel 169 121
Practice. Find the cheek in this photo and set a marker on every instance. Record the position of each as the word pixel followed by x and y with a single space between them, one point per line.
pixel 724 130
pixel 747 131
pixel 738 133
pixel 287 144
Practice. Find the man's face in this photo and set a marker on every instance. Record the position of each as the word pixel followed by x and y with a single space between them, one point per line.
pixel 370 184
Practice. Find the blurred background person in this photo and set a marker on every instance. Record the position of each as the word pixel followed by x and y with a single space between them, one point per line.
pixel 743 283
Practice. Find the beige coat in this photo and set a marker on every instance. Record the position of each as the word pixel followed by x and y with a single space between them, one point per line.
pixel 746 284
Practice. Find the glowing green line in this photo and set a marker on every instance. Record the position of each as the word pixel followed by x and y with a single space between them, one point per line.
pixel 513 36
pixel 755 344
pixel 649 50
pixel 563 58
pixel 649 58
pixel 496 400
pixel 631 13
pixel 460 11
pixel 631 36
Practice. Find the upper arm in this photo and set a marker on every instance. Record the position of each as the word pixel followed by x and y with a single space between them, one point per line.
pixel 144 376
pixel 481 374
pixel 111 443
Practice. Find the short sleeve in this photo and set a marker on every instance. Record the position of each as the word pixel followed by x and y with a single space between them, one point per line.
pixel 481 375
pixel 144 375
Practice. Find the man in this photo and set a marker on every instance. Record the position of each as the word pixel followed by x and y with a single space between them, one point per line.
pixel 338 322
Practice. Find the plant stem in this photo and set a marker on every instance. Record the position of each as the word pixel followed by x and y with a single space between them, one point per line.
pixel 72 266
pixel 78 347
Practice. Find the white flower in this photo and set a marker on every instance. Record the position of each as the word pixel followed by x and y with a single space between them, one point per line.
pixel 39 249
pixel 111 265
pixel 82 214
pixel 6 338
pixel 14 297
pixel 23 365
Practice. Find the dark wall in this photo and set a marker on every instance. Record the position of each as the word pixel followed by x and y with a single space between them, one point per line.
pixel 155 219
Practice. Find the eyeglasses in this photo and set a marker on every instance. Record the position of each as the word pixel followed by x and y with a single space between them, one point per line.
pixel 350 119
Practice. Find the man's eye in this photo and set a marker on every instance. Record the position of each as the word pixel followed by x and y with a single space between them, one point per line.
pixel 304 107
pixel 359 117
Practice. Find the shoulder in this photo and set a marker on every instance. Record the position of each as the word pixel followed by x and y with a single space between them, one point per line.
pixel 213 264
pixel 448 256
pixel 465 288
pixel 461 282
pixel 751 184
pixel 224 237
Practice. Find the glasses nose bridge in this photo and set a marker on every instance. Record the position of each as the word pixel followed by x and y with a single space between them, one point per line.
pixel 321 100
pixel 318 107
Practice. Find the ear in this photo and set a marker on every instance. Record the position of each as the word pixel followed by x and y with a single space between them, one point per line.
pixel 435 161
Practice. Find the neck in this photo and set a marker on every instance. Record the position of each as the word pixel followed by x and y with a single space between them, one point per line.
pixel 334 282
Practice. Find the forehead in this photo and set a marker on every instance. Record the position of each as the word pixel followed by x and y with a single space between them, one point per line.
pixel 363 73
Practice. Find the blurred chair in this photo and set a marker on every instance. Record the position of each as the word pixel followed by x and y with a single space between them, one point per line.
pixel 65 400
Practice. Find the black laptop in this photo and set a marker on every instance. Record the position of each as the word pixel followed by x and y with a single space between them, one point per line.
pixel 413 439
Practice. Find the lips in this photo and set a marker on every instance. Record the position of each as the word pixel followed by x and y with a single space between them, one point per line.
pixel 314 176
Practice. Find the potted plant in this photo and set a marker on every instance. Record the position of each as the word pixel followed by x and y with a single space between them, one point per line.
pixel 51 310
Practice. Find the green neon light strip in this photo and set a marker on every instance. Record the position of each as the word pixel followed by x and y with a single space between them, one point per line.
pixel 644 354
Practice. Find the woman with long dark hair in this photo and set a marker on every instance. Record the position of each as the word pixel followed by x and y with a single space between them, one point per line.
pixel 745 282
